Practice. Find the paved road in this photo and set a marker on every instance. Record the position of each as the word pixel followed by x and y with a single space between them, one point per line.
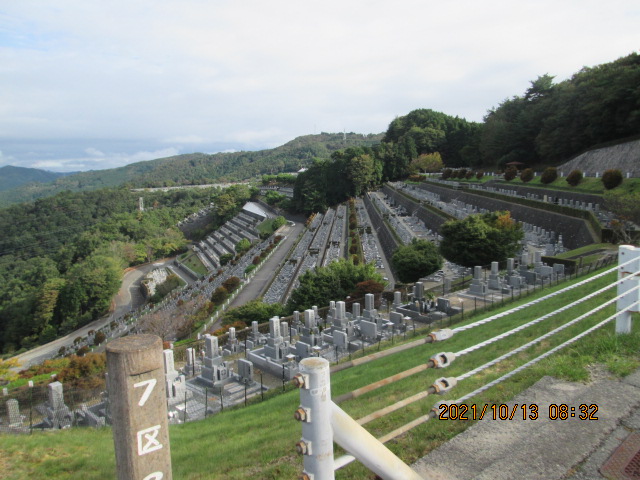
pixel 127 299
pixel 544 449
pixel 261 280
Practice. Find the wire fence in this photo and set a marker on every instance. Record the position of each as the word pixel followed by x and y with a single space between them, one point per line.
pixel 320 464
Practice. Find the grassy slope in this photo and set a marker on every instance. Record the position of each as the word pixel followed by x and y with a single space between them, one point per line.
pixel 587 185
pixel 228 446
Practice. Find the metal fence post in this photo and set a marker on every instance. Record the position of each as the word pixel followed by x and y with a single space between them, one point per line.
pixel 630 256
pixel 139 408
pixel 315 414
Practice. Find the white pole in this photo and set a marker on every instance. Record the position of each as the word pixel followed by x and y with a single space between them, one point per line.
pixel 315 414
pixel 629 259
pixel 367 449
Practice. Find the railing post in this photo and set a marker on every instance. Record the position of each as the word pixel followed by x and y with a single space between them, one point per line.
pixel 139 408
pixel 630 256
pixel 315 414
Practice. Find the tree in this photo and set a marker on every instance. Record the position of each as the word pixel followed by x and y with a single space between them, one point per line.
pixel 334 282
pixel 219 295
pixel 360 171
pixel 611 178
pixel 255 310
pixel 510 173
pixel 278 222
pixel 418 259
pixel 368 286
pixel 243 245
pixel 549 175
pixel 574 178
pixel 427 162
pixel 231 284
pixel 626 207
pixel 481 239
pixel 167 324
pixel 7 367
pixel 527 175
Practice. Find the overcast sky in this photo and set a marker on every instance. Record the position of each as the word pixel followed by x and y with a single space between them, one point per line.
pixel 88 84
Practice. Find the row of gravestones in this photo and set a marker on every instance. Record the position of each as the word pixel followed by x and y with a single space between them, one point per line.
pixel 53 413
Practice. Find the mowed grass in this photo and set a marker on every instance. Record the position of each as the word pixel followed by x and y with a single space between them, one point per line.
pixel 590 185
pixel 258 441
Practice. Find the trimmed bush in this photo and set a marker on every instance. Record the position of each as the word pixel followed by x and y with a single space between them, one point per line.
pixel 446 173
pixel 510 173
pixel 574 178
pixel 219 295
pixel 611 178
pixel 231 284
pixel 549 175
pixel 469 175
pixel 479 175
pixel 98 338
pixel 527 175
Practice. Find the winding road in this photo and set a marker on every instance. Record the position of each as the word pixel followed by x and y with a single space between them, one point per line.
pixel 128 298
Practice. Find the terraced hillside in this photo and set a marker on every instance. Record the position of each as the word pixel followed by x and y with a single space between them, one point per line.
pixel 258 441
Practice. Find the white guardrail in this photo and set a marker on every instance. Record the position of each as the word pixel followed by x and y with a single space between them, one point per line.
pixel 324 422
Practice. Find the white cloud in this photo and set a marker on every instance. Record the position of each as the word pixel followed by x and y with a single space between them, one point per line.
pixel 193 72
pixel 94 152
pixel 103 161
pixel 195 139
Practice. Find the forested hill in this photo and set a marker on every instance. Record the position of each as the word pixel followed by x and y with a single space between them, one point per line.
pixel 199 168
pixel 13 177
pixel 61 258
pixel 549 124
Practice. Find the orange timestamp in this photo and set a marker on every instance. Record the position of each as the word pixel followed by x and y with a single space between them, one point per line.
pixel 524 411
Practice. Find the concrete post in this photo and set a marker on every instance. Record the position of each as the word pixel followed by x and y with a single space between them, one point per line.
pixel 629 258
pixel 138 408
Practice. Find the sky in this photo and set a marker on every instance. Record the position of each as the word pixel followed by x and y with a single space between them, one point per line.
pixel 88 85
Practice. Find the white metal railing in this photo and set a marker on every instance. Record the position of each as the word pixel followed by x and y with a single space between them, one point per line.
pixel 324 422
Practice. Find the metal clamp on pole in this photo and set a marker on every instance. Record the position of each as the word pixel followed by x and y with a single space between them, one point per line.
pixel 438 412
pixel 444 384
pixel 442 359
pixel 440 335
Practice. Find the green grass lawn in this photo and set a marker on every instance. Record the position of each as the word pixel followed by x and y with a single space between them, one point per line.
pixel 258 441
pixel 194 263
pixel 587 185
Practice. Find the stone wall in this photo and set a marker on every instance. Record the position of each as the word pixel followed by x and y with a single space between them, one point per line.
pixel 555 194
pixel 575 232
pixel 625 157
pixel 387 241
pixel 430 219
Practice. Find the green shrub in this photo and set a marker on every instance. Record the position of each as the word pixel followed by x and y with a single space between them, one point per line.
pixel 611 178
pixel 231 284
pixel 549 175
pixel 479 175
pixel 574 178
pixel 510 173
pixel 98 338
pixel 527 175
pixel 219 295
pixel 446 173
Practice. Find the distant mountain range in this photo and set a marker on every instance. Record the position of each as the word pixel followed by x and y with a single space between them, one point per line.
pixel 13 177
pixel 187 169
